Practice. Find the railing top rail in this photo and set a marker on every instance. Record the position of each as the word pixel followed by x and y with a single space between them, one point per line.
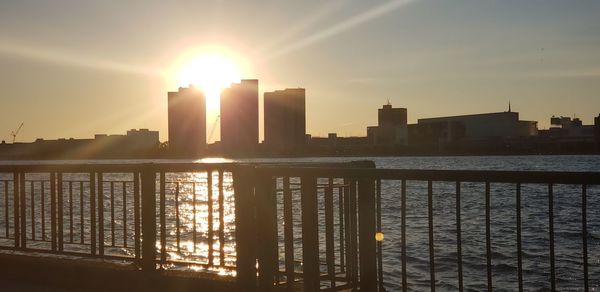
pixel 544 177
pixel 114 167
pixel 158 167
pixel 357 169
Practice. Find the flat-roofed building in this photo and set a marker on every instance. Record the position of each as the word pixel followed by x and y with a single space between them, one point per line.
pixel 285 119
pixel 142 139
pixel 391 127
pixel 187 122
pixel 480 126
pixel 239 118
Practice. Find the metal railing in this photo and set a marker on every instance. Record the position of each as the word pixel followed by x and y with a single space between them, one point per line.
pixel 359 198
pixel 292 227
pixel 107 211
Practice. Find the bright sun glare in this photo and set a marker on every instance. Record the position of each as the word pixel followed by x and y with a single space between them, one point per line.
pixel 211 72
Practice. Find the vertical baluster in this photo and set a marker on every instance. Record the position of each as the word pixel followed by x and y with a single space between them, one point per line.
pixel 53 223
pixel 70 212
pixel 16 210
pixel 403 235
pixel 194 215
pixel 60 214
pixel 100 214
pixel 329 240
pixel 136 215
pixel 209 210
pixel 23 198
pixel 288 232
pixel 177 230
pixel 379 230
pixel 347 230
pixel 221 220
pixel 124 214
pixel 163 220
pixel 92 213
pixel 459 239
pixel 519 251
pixel 353 231
pixel 584 234
pixel 6 226
pixel 488 241
pixel 551 236
pixel 341 228
pixel 43 210
pixel 32 198
pixel 81 214
pixel 112 213
pixel 431 249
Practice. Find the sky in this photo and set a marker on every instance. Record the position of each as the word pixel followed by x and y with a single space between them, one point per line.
pixel 77 68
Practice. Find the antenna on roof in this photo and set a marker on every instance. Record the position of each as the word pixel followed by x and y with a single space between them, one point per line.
pixel 388 102
pixel 509 106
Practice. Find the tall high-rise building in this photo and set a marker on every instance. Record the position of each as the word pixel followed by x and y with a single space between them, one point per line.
pixel 187 122
pixel 285 119
pixel 239 118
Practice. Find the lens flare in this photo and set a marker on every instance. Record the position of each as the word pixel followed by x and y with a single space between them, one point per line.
pixel 211 72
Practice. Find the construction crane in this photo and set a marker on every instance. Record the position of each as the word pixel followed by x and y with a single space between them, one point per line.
pixel 214 127
pixel 16 132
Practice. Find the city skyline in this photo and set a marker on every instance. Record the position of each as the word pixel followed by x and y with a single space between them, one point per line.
pixel 543 57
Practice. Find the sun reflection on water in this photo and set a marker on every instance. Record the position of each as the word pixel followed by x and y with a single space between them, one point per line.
pixel 189 206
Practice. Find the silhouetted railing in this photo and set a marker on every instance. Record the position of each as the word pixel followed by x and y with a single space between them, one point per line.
pixel 309 227
pixel 341 223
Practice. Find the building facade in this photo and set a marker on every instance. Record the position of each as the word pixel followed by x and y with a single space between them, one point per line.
pixel 239 118
pixel 285 119
pixel 391 127
pixel 478 126
pixel 567 127
pixel 141 143
pixel 187 122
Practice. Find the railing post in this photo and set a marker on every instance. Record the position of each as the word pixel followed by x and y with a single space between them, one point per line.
pixel 148 177
pixel 351 231
pixel 366 234
pixel 266 218
pixel 245 228
pixel 310 233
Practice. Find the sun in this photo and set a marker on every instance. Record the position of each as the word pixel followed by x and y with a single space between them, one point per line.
pixel 211 72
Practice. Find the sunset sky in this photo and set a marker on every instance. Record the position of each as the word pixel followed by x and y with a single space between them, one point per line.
pixel 76 68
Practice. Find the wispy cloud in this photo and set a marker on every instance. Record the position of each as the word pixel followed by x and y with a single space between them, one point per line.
pixel 304 24
pixel 37 53
pixel 343 26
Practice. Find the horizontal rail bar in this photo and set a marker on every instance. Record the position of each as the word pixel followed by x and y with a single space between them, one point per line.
pixel 329 169
pixel 542 177
pixel 158 167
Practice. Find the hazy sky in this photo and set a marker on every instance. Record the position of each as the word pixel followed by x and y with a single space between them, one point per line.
pixel 76 68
